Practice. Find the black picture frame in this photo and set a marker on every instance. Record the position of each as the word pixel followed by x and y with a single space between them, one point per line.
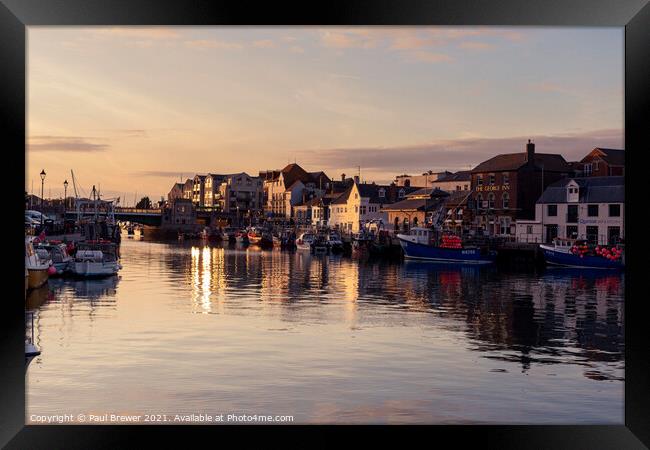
pixel 634 15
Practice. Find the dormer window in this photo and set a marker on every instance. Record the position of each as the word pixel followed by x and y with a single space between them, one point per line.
pixel 382 192
pixel 572 193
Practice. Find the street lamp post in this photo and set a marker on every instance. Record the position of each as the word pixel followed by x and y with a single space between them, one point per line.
pixel 65 196
pixel 42 187
pixel 65 202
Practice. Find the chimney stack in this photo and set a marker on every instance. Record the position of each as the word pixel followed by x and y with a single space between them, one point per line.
pixel 530 152
pixel 356 179
pixel 342 177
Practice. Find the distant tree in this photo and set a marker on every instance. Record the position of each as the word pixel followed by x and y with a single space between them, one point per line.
pixel 144 203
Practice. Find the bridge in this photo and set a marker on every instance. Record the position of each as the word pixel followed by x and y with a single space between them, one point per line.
pixel 151 217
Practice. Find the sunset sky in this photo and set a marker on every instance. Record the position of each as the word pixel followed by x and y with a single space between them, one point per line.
pixel 134 109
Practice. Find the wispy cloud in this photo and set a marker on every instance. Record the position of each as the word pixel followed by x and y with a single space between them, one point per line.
pixel 417 44
pixel 264 43
pixel 429 57
pixel 475 45
pixel 458 154
pixel 167 173
pixel 156 33
pixel 212 43
pixel 64 144
pixel 547 86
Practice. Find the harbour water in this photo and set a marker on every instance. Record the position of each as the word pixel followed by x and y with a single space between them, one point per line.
pixel 194 329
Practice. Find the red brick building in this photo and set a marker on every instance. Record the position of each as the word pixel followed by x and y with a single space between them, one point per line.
pixel 602 162
pixel 506 187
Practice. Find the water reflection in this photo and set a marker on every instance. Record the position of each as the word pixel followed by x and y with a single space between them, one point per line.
pixel 558 317
pixel 300 319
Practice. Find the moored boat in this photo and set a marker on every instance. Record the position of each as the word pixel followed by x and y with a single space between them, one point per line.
pixel 95 259
pixel 228 234
pixel 38 270
pixel 320 245
pixel 577 254
pixel 304 241
pixel 334 241
pixel 420 244
pixel 259 237
pixel 58 253
pixel 241 237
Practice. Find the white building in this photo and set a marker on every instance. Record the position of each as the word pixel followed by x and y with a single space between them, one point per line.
pixel 240 192
pixel 286 188
pixel 359 204
pixel 590 208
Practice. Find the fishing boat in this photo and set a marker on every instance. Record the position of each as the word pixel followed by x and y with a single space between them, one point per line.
pixel 241 237
pixel 38 270
pixel 578 254
pixel 305 240
pixel 58 253
pixel 95 259
pixel 257 236
pixel 320 245
pixel 334 241
pixel 361 242
pixel 228 234
pixel 421 244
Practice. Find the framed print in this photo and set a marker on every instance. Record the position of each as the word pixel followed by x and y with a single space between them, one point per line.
pixel 342 214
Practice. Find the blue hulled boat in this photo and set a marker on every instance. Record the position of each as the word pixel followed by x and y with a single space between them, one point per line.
pixel 561 254
pixel 418 245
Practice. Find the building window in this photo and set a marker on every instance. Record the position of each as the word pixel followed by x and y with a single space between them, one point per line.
pixel 614 210
pixel 551 210
pixel 506 178
pixel 551 233
pixel 479 180
pixel 613 235
pixel 572 231
pixel 587 169
pixel 382 193
pixel 592 210
pixel 479 202
pixel 592 235
pixel 491 201
pixel 401 193
pixel 491 179
pixel 529 229
pixel 505 199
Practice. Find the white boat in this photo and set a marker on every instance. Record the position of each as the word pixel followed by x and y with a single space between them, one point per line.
pixel 58 253
pixel 304 241
pixel 31 351
pixel 37 268
pixel 91 263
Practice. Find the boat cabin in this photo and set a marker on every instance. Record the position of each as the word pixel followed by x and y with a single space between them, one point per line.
pixel 419 235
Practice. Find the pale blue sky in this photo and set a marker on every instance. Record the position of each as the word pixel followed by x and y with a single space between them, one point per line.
pixel 133 108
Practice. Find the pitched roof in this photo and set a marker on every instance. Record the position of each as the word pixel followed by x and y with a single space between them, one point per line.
pixel 371 192
pixel 591 190
pixel 294 185
pixel 413 204
pixel 430 191
pixel 513 161
pixel 614 157
pixel 462 175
